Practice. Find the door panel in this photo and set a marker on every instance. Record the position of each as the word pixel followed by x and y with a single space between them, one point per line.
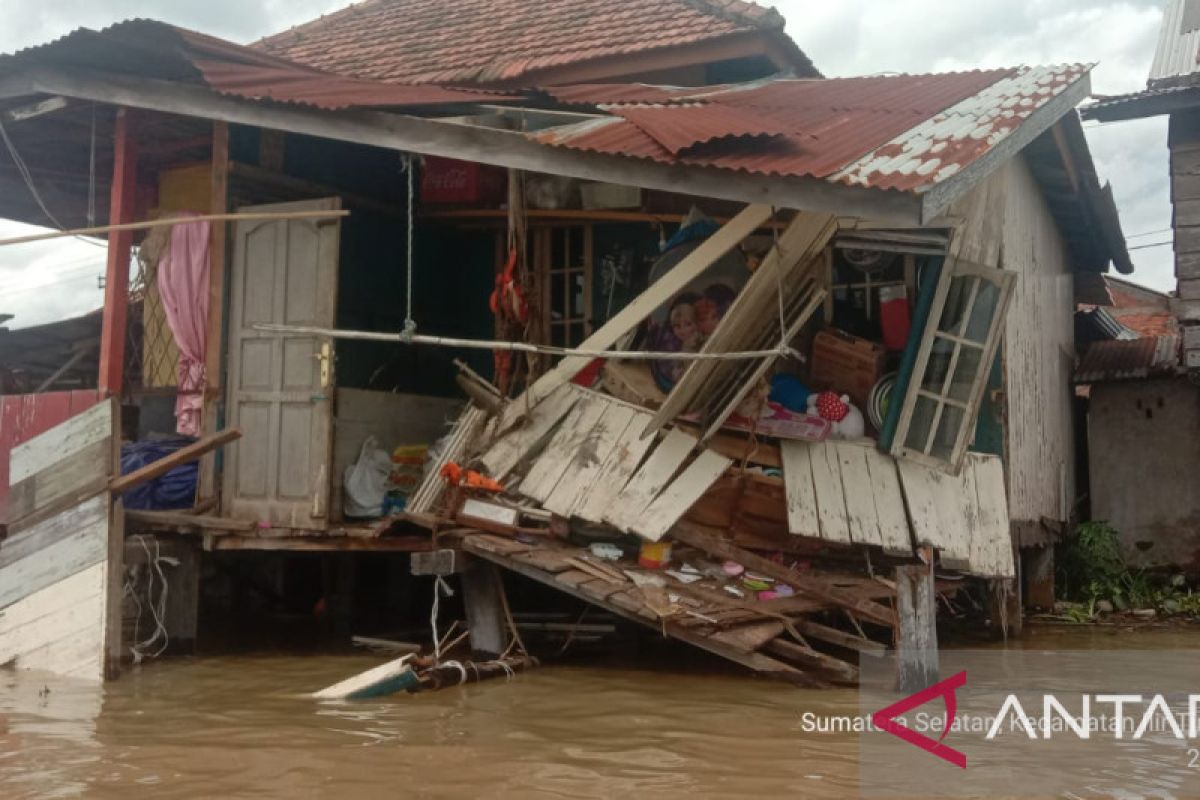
pixel 280 388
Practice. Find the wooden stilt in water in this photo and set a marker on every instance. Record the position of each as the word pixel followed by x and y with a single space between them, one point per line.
pixel 916 609
pixel 482 588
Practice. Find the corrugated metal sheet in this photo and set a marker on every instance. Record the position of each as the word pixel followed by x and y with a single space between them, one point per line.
pixel 895 132
pixel 1178 44
pixel 695 124
pixel 950 140
pixel 1129 360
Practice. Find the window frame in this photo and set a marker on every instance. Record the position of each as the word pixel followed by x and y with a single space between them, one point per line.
pixel 1004 281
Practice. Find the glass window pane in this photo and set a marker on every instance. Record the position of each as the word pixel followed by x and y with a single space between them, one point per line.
pixel 558 299
pixel 922 419
pixel 577 309
pixel 939 364
pixel 983 311
pixel 965 371
pixel 947 433
pixel 956 303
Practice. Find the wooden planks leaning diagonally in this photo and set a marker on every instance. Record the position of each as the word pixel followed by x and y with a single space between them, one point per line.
pixel 618 468
pixel 589 460
pixel 653 476
pixel 563 449
pixel 720 385
pixel 674 501
pixel 60 568
pixel 516 444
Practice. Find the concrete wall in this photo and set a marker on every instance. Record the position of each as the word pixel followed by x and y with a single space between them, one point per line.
pixel 1144 443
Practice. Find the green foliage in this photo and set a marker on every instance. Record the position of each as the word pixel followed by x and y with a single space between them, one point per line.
pixel 1091 570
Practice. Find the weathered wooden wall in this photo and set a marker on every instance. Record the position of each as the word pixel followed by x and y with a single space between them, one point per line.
pixel 1007 224
pixel 23 416
pixel 59 580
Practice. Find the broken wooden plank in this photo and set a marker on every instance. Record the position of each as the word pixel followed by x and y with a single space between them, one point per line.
pixel 625 606
pixel 674 501
pixel 859 491
pixel 849 641
pixel 514 445
pixel 618 468
pixel 549 560
pixel 798 486
pixel 588 460
pixel 184 455
pixel 894 532
pixel 556 460
pixel 657 471
pixel 831 497
pixel 458 443
pixel 832 667
pixel 991 544
pixel 804 583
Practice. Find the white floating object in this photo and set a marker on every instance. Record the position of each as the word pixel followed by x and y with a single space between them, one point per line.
pixel 389 678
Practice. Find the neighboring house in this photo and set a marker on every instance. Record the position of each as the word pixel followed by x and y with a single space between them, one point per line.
pixel 512 43
pixel 1144 418
pixel 1173 89
pixel 1143 426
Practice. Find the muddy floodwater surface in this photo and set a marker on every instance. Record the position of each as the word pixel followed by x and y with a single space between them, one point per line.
pixel 233 727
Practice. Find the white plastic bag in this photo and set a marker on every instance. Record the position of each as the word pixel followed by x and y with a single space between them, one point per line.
pixel 366 481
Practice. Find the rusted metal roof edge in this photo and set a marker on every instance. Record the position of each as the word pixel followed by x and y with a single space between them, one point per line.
pixel 938 198
pixel 473 143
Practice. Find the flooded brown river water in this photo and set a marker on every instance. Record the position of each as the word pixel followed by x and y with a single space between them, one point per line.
pixel 234 727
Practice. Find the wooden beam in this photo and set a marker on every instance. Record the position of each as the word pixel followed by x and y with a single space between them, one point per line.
pixel 833 667
pixel 917 648
pixel 182 522
pixel 66 367
pixel 35 109
pixel 116 281
pixel 214 340
pixel 813 585
pixel 181 456
pixel 318 544
pixel 484 606
pixel 482 145
pixel 840 638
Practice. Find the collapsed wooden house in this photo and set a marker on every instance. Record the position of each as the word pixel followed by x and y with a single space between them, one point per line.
pixel 963 202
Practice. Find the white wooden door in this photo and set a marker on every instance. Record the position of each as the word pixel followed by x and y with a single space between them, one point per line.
pixel 280 387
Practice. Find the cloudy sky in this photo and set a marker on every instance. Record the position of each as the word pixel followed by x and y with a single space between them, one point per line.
pixel 43 282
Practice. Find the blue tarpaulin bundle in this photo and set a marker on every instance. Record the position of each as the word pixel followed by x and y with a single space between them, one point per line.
pixel 174 489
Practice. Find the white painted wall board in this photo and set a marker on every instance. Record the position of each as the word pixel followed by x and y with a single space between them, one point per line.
pixel 680 495
pixel 657 471
pixel 798 488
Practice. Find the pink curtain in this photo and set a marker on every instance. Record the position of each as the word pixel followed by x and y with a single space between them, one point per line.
pixel 183 286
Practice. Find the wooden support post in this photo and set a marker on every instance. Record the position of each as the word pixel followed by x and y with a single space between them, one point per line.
pixel 436 562
pixel 916 609
pixel 482 600
pixel 1038 568
pixel 183 588
pixel 116 276
pixel 215 340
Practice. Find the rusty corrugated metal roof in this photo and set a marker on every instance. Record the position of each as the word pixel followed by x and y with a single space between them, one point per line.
pixel 904 132
pixel 490 41
pixel 1119 360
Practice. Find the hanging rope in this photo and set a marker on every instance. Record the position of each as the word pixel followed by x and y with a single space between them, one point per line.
pixel 439 587
pixel 410 324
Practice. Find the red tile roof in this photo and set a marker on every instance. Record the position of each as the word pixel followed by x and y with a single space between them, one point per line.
pixel 489 41
pixel 1129 359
